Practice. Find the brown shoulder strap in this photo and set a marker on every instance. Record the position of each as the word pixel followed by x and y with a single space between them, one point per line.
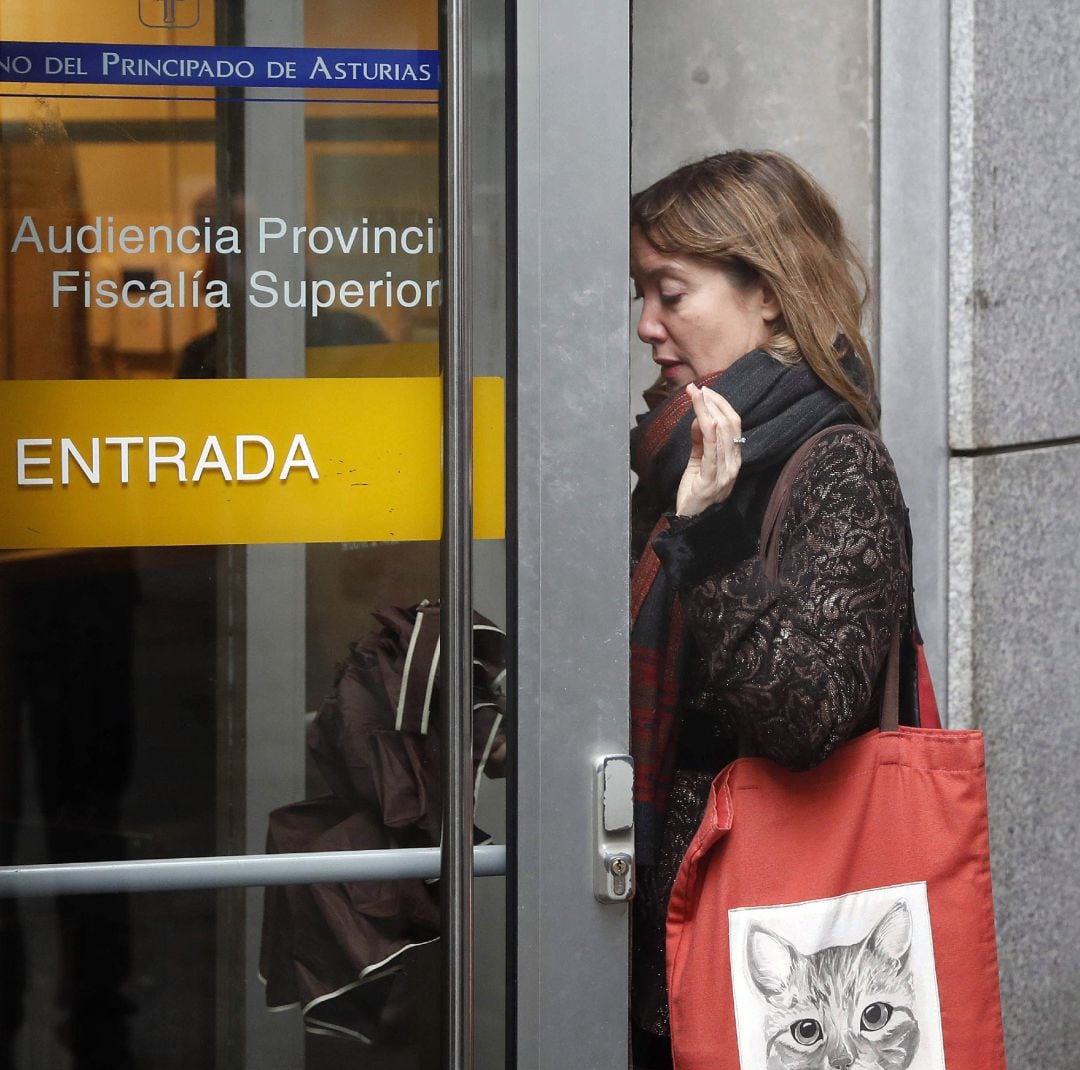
pixel 769 550
pixel 890 700
pixel 769 543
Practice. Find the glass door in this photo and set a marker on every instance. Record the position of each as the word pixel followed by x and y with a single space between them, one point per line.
pixel 267 269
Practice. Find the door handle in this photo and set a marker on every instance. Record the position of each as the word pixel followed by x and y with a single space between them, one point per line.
pixel 613 828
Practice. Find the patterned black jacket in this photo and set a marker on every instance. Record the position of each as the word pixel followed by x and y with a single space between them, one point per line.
pixel 787 669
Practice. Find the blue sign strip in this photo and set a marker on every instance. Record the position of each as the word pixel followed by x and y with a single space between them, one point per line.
pixel 190 65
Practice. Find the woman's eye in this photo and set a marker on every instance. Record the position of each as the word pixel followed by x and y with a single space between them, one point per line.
pixel 876 1016
pixel 670 299
pixel 806 1032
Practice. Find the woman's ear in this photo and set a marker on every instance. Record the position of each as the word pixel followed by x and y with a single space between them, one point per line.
pixel 770 303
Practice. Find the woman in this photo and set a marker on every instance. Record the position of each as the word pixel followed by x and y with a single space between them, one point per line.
pixel 750 303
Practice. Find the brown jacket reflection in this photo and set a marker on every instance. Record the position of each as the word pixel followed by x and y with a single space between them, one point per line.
pixel 334 949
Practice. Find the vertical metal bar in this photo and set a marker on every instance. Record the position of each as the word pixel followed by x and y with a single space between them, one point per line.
pixel 275 611
pixel 230 914
pixel 455 689
pixel 570 614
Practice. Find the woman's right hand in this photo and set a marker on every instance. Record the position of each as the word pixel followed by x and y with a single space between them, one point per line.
pixel 715 456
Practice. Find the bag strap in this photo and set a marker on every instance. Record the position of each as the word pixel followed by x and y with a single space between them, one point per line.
pixel 769 543
pixel 890 700
pixel 769 549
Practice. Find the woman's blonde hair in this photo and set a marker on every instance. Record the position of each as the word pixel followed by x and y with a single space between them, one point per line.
pixel 760 216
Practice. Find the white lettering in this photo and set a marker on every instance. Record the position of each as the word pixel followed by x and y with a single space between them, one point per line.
pixel 242 442
pixel 182 242
pixel 88 237
pixel 17 64
pixel 297 235
pixel 351 293
pixel 322 286
pixel 346 243
pixel 227 240
pixel 255 458
pixel 155 459
pixel 320 236
pixel 69 453
pixel 24 461
pixel 217 294
pixel 406 248
pixel 165 233
pixel 299 456
pixel 415 289
pixel 258 279
pixel 300 300
pixel 131 239
pixel 124 442
pixel 161 295
pixel 107 293
pixel 130 287
pixel 105 235
pixel 28 232
pixel 217 462
pixel 59 288
pixel 280 228
pixel 391 233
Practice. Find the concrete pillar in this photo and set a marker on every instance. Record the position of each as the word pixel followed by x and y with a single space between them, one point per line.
pixel 1014 431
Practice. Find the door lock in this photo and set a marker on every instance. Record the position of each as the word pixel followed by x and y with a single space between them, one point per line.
pixel 613 866
pixel 619 866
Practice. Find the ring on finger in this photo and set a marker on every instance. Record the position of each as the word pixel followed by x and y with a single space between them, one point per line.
pixel 740 440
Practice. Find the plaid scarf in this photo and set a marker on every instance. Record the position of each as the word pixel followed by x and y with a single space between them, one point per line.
pixel 780 405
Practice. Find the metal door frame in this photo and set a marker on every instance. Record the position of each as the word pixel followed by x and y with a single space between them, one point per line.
pixel 569 75
pixel 913 284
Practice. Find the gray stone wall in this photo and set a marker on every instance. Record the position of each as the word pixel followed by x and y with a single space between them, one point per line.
pixel 1017 553
pixel 1014 423
pixel 1016 223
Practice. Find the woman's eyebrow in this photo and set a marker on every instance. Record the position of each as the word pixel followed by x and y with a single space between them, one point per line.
pixel 669 267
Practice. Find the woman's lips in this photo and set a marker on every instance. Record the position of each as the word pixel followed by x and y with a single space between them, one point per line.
pixel 670 371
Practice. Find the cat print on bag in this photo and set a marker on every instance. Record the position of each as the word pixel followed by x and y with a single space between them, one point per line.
pixel 844 1007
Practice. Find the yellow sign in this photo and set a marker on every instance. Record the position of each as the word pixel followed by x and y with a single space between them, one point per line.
pixel 184 462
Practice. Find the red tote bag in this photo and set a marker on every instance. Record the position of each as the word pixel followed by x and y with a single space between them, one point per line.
pixel 842 918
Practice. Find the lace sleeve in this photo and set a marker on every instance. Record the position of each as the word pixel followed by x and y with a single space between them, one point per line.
pixel 795 661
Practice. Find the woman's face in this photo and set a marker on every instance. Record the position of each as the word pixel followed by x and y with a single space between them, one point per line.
pixel 696 320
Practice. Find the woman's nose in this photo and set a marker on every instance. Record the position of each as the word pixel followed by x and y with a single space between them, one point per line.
pixel 649 329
